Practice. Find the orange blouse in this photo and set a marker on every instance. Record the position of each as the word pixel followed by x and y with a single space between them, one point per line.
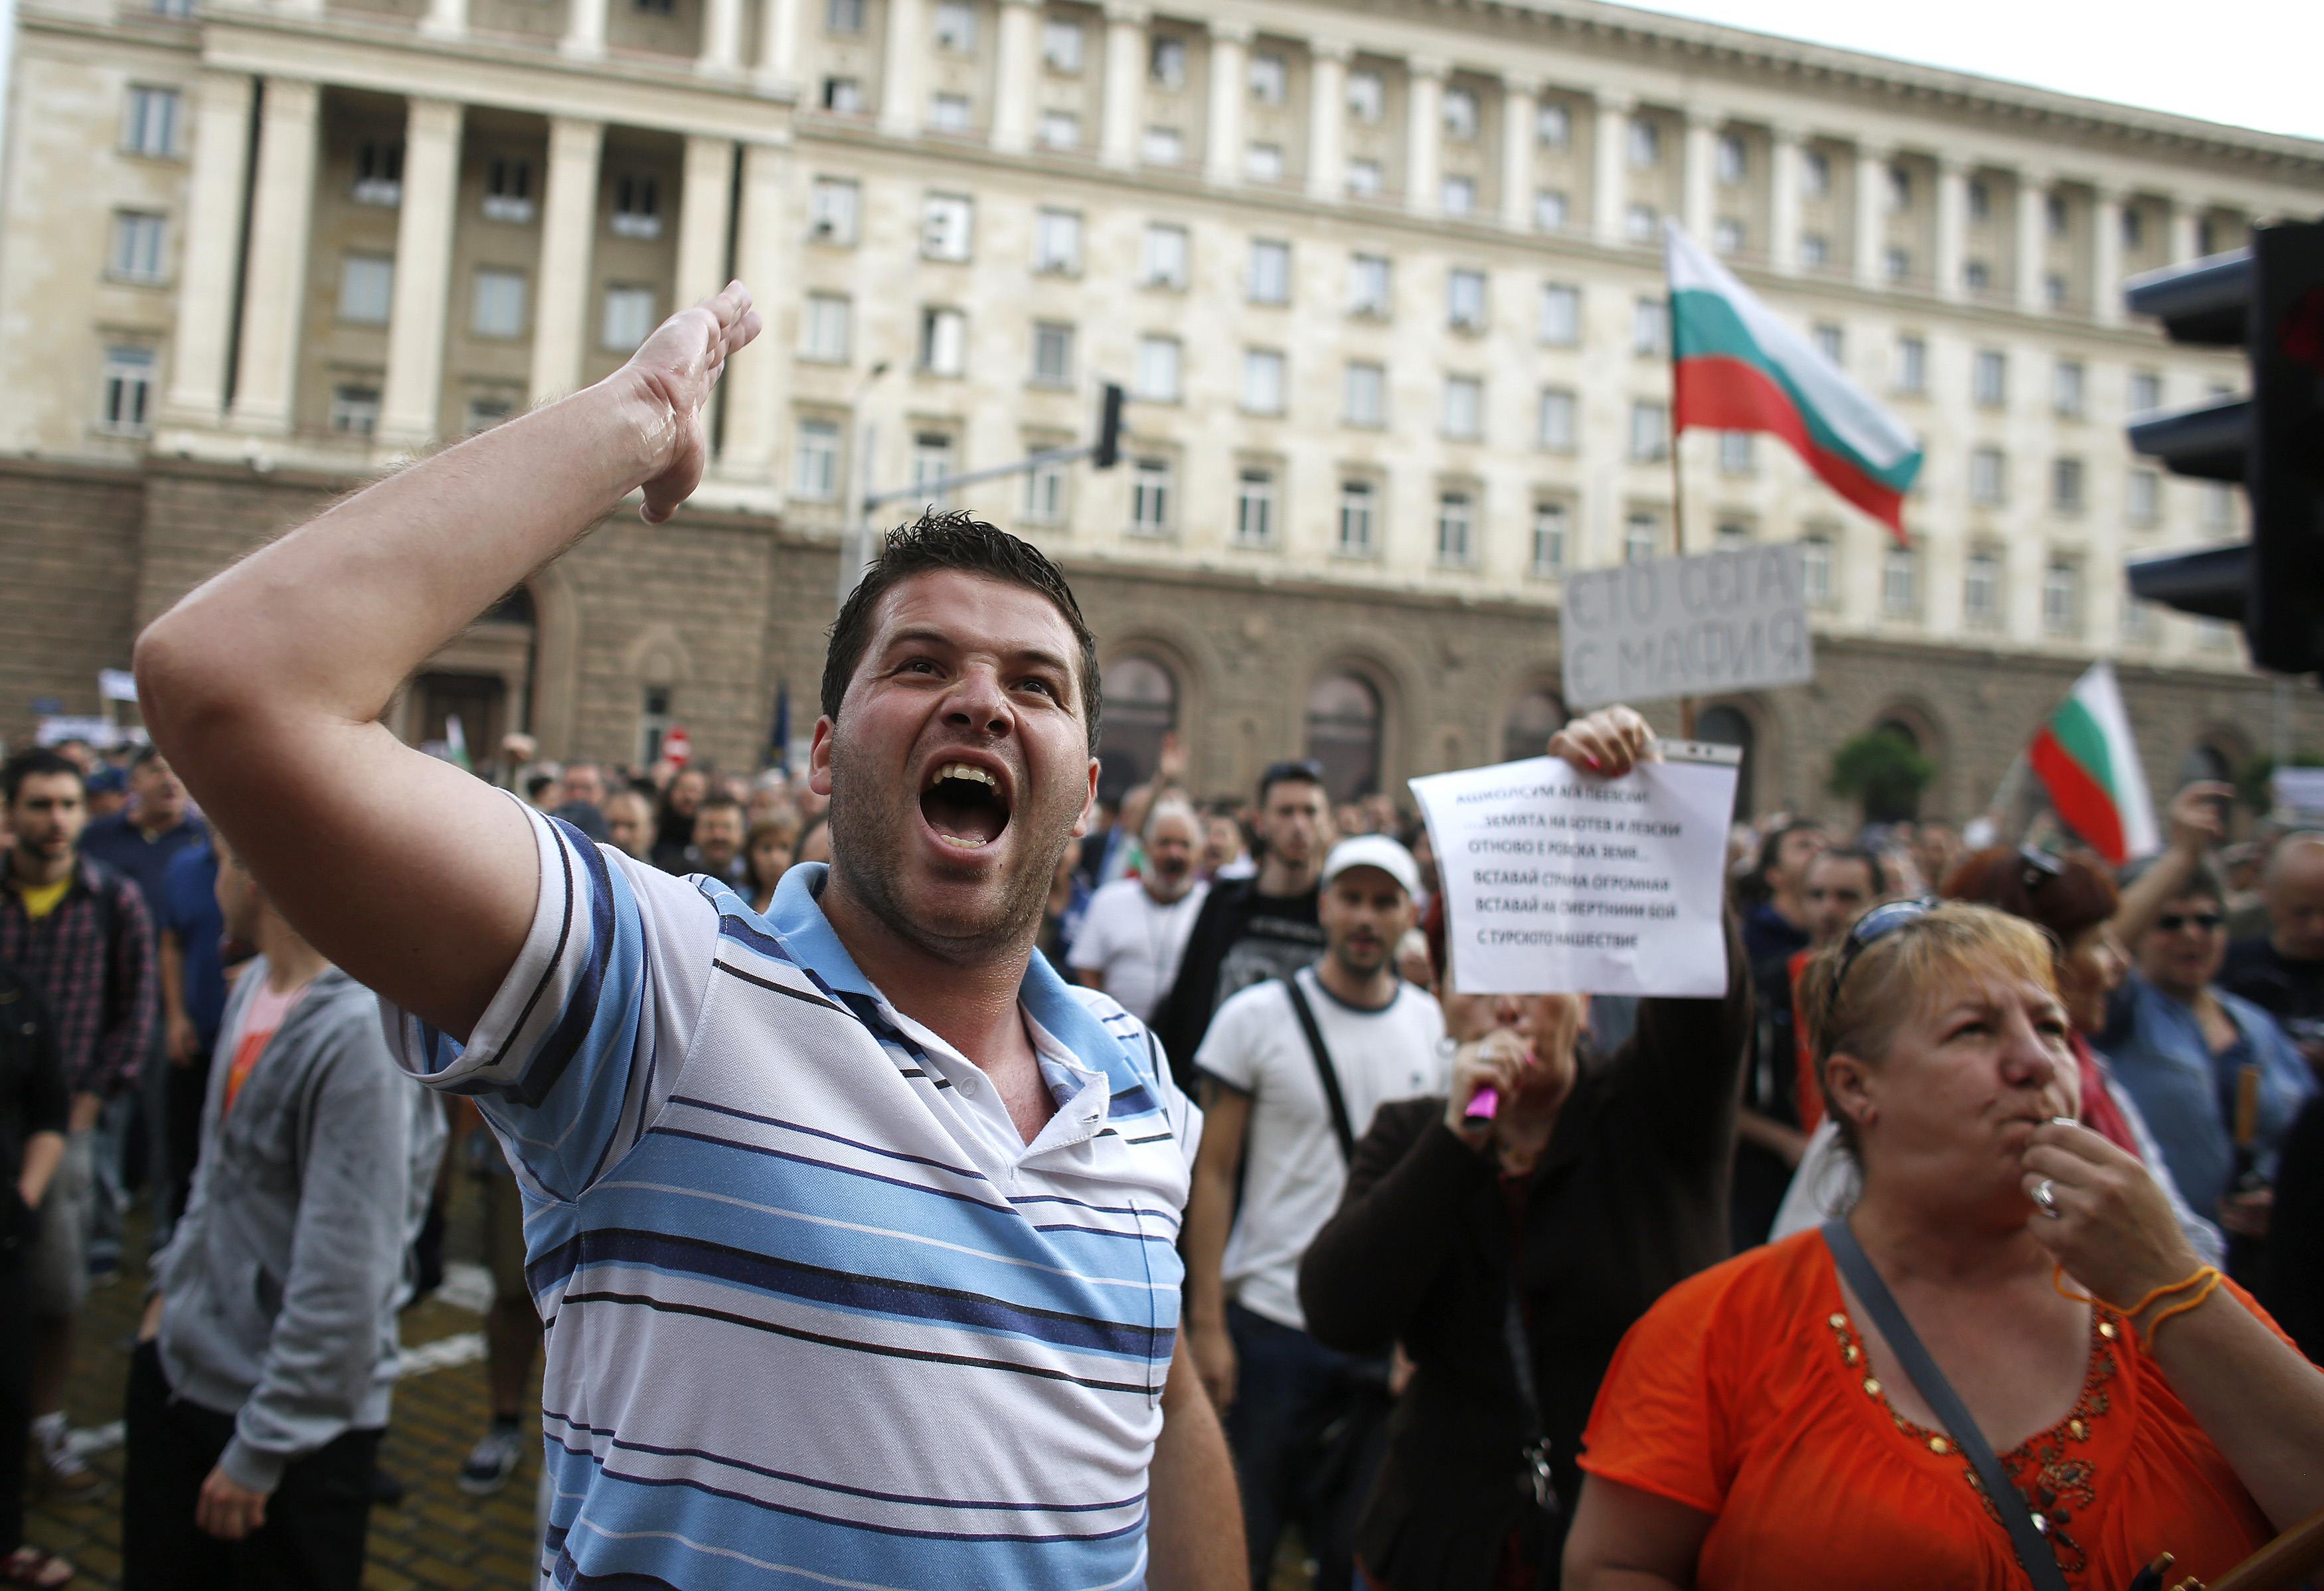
pixel 1744 1394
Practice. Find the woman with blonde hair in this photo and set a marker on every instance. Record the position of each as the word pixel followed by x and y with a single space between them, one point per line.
pixel 2005 1366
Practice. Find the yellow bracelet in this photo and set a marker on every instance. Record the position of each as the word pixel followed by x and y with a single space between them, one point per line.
pixel 2156 1330
pixel 2058 1282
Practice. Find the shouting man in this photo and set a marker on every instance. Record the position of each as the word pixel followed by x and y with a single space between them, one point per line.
pixel 856 1238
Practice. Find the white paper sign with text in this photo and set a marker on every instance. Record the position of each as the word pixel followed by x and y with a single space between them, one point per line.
pixel 1557 881
pixel 1687 626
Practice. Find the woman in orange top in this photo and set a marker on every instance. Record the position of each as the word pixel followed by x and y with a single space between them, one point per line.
pixel 1756 1430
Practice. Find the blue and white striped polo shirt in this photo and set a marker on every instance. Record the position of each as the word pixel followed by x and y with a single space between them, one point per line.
pixel 817 1315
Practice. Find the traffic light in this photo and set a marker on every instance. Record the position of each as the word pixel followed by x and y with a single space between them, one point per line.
pixel 2269 301
pixel 1108 452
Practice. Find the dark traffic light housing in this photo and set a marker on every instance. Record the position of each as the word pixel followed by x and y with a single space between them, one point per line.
pixel 1108 451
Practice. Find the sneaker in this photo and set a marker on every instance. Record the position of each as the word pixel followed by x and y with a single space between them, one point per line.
pixel 61 1465
pixel 492 1462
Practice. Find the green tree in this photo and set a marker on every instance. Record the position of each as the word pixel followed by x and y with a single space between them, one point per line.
pixel 2252 778
pixel 1883 770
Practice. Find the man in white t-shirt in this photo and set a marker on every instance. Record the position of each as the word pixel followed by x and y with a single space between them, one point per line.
pixel 1271 1117
pixel 1135 931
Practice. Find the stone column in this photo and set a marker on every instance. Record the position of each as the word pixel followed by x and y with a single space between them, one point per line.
pixel 445 19
pixel 1952 227
pixel 409 408
pixel 1871 241
pixel 703 217
pixel 216 189
pixel 564 283
pixel 1520 108
pixel 778 39
pixel 765 250
pixel 1230 60
pixel 1783 198
pixel 2032 238
pixel 1699 201
pixel 282 216
pixel 906 47
pixel 2106 257
pixel 1013 76
pixel 584 29
pixel 1423 134
pixel 1327 117
pixel 2186 232
pixel 1609 165
pixel 721 38
pixel 1125 81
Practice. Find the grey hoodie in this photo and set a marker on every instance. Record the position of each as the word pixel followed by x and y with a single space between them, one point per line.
pixel 282 1277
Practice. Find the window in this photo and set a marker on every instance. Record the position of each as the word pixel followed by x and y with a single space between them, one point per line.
pixel 1167 62
pixel 1900 582
pixel 1363 178
pixel 1270 78
pixel 1989 378
pixel 1464 301
pixel 1367 96
pixel 1464 407
pixel 654 8
pixel 931 463
pixel 1900 190
pixel 2061 599
pixel 1649 430
pixel 2053 291
pixel 2218 506
pixel 1053 353
pixel 1365 394
pixel 1061 45
pixel 1815 568
pixel 1727 237
pixel 948 221
pixel 2144 506
pixel 1560 315
pixel 1641 222
pixel 1158 369
pixel 355 410
pixel 1262 381
pixel 1357 519
pixel 367 290
pixel 1912 367
pixel 2146 391
pixel 1263 162
pixel 1150 497
pixel 814 468
pixel 1555 429
pixel 843 16
pixel 1646 144
pixel 1732 534
pixel 1367 286
pixel 1975 277
pixel 1271 271
pixel 1455 528
pixel 944 341
pixel 1057 243
pixel 1734 163
pixel 137 247
pixel 1980 199
pixel 2133 227
pixel 1898 264
pixel 2066 485
pixel 1044 491
pixel 653 723
pixel 1650 326
pixel 2206 236
pixel 1459 196
pixel 496 308
pixel 379 174
pixel 1552 127
pixel 843 95
pixel 1255 507
pixel 1343 733
pixel 955 26
pixel 1981 590
pixel 637 206
pixel 1549 524
pixel 2066 388
pixel 1163 260
pixel 1550 210
pixel 1060 129
pixel 2141 622
pixel 1815 250
pixel 1831 342
pixel 1164 146
pixel 1987 483
pixel 487 409
pixel 127 390
pixel 1736 452
pixel 508 189
pixel 2054 209
pixel 1461 115
pixel 1815 173
pixel 834 206
pixel 149 122
pixel 628 317
pixel 948 112
pixel 1641 536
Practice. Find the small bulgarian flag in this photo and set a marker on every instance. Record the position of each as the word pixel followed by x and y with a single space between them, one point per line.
pixel 1737 367
pixel 2087 762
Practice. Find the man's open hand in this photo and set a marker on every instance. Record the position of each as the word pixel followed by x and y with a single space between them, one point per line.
pixel 669 379
pixel 227 1509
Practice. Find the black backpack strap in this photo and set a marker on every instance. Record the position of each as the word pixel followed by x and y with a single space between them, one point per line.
pixel 1341 1127
pixel 2027 1531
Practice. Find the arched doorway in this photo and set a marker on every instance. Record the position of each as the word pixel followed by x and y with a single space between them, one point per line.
pixel 1142 707
pixel 1343 733
pixel 1532 719
pixel 1723 725
pixel 482 681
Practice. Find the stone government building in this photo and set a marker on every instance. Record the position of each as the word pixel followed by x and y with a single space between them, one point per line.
pixel 1383 280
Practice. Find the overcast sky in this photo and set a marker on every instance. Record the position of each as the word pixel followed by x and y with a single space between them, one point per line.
pixel 2252 63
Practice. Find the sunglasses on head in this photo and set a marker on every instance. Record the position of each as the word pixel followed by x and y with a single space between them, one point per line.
pixel 2170 922
pixel 1867 930
pixel 2037 867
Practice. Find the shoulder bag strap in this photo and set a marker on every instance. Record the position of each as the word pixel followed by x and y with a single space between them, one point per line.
pixel 1341 1127
pixel 2026 1533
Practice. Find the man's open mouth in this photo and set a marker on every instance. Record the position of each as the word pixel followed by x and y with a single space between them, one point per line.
pixel 964 805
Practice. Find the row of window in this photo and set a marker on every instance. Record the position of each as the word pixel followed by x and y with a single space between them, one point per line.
pixel 499 302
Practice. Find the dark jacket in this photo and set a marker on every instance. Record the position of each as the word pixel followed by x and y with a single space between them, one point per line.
pixel 1629 1199
pixel 32 1099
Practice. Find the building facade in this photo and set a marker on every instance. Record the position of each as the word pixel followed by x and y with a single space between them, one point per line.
pixel 1384 282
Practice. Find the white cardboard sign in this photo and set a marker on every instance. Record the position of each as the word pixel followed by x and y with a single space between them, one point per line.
pixel 1687 626
pixel 1557 881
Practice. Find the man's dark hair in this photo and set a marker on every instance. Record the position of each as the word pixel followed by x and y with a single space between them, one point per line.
pixel 716 802
pixel 1772 849
pixel 148 753
pixel 537 782
pixel 1871 863
pixel 1292 771
pixel 36 762
pixel 955 541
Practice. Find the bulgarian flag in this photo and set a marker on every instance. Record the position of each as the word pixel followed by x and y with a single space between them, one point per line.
pixel 1735 367
pixel 2087 760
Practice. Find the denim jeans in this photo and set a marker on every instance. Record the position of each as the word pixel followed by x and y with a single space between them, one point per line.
pixel 1288 1389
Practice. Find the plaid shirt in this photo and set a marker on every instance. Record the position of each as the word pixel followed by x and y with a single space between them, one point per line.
pixel 92 959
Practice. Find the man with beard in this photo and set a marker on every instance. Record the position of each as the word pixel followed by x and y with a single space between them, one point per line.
pixel 1134 933
pixel 854 1223
pixel 1292 1070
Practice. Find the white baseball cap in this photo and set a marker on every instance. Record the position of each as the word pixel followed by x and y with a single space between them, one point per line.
pixel 1374 850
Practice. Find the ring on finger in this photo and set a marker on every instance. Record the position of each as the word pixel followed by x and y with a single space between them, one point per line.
pixel 2045 1195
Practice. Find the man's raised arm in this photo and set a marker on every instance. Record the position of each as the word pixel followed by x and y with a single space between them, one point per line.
pixel 265 685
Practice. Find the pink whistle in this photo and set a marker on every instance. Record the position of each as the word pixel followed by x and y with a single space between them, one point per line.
pixel 1484 1104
